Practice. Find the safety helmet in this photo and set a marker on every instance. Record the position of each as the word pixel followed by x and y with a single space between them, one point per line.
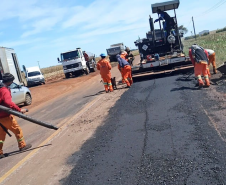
pixel 124 52
pixel 103 55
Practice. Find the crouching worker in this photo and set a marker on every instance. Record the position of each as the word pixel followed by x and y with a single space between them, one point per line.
pixel 124 56
pixel 126 70
pixel 7 121
pixel 212 59
pixel 104 66
pixel 199 58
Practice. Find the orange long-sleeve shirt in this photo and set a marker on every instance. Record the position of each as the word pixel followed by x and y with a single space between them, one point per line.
pixel 104 66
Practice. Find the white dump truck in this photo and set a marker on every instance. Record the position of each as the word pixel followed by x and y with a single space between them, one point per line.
pixel 10 64
pixel 114 50
pixel 74 62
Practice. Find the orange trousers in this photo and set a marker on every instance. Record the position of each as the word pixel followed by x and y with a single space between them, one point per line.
pixel 107 84
pixel 11 124
pixel 212 59
pixel 202 69
pixel 123 81
pixel 127 75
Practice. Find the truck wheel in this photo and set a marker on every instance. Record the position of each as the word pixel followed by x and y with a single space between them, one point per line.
pixel 67 75
pixel 93 69
pixel 28 99
pixel 111 60
pixel 87 70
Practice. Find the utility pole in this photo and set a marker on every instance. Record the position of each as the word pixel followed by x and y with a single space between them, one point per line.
pixel 39 65
pixel 194 27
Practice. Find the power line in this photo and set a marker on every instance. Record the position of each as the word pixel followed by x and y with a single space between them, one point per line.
pixel 221 2
pixel 217 6
pixel 214 6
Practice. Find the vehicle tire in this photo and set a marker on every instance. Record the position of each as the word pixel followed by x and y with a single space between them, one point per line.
pixel 111 59
pixel 87 70
pixel 28 99
pixel 67 75
pixel 92 69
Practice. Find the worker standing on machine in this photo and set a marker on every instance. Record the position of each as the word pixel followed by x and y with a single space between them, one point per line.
pixel 167 22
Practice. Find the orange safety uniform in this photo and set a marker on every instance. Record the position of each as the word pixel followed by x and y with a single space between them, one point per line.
pixel 126 70
pixel 212 59
pixel 104 66
pixel 127 75
pixel 201 69
pixel 123 55
pixel 7 120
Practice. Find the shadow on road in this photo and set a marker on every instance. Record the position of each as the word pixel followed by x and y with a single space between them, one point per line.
pixel 103 92
pixel 19 152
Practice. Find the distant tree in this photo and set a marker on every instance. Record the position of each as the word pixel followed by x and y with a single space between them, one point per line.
pixel 182 29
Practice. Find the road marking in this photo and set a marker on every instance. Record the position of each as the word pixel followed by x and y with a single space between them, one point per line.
pixel 19 164
pixel 214 124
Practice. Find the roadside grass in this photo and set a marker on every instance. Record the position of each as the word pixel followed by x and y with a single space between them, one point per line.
pixel 216 42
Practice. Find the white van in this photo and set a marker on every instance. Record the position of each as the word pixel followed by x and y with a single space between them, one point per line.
pixel 34 76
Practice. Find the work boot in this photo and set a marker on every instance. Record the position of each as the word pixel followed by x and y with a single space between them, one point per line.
pixel 26 147
pixel 207 83
pixel 197 84
pixel 214 70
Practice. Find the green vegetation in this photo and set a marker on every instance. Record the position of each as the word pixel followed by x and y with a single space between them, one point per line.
pixel 221 30
pixel 191 37
pixel 216 42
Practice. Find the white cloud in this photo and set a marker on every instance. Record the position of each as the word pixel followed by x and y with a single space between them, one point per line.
pixel 21 42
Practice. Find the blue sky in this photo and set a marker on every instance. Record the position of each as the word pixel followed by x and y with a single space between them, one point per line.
pixel 39 30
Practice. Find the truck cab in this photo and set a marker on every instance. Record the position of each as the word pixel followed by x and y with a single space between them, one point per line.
pixel 114 50
pixel 74 63
pixel 34 76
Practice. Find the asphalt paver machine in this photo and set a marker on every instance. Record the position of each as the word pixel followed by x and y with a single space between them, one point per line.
pixel 160 53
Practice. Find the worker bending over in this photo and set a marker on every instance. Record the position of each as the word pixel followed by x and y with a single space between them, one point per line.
pixel 104 66
pixel 125 69
pixel 212 59
pixel 124 56
pixel 199 58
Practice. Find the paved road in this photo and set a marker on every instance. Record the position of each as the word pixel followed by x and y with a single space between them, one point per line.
pixel 160 131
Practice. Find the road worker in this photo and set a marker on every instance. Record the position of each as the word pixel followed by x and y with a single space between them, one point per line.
pixel 86 56
pixel 125 68
pixel 212 59
pixel 104 66
pixel 7 121
pixel 199 58
pixel 168 22
pixel 124 56
pixel 129 56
